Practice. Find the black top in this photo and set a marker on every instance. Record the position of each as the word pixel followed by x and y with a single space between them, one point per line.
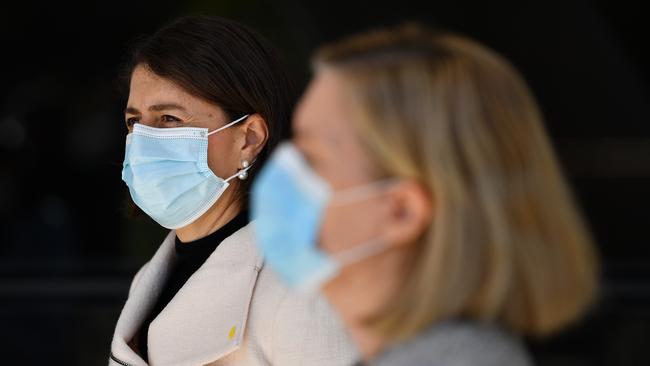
pixel 189 257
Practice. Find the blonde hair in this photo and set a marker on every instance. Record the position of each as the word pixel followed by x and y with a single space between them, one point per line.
pixel 506 243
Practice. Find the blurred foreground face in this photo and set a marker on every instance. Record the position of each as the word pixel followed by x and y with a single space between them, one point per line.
pixel 368 208
pixel 327 140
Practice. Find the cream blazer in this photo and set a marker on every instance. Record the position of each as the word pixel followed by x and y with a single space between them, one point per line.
pixel 231 311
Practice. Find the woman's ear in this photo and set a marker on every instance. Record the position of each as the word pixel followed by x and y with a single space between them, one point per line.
pixel 410 213
pixel 255 134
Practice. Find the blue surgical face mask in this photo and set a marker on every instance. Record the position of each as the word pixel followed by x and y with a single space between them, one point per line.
pixel 166 170
pixel 288 201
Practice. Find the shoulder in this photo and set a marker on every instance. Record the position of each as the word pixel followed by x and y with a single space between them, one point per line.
pixel 459 344
pixel 136 278
pixel 239 247
pixel 309 331
pixel 300 330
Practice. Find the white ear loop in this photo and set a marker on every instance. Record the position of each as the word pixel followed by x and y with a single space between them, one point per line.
pixel 239 172
pixel 361 251
pixel 360 193
pixel 223 128
pixel 228 125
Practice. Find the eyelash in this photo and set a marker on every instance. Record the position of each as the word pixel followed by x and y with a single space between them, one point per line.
pixel 173 119
pixel 133 120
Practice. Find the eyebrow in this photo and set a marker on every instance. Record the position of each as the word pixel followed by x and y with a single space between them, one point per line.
pixel 157 108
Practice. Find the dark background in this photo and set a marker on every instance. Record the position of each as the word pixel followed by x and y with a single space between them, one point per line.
pixel 67 252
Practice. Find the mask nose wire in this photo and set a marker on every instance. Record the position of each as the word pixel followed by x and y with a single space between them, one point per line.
pixel 229 124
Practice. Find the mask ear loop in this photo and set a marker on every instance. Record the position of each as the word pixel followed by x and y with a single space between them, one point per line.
pixel 223 128
pixel 229 124
pixel 360 193
pixel 239 172
pixel 360 252
pixel 346 196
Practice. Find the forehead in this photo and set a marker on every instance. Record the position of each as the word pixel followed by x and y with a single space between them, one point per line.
pixel 324 107
pixel 143 77
pixel 147 89
pixel 326 133
pixel 146 85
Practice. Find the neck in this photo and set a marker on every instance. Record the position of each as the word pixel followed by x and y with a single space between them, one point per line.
pixel 368 342
pixel 224 210
pixel 363 290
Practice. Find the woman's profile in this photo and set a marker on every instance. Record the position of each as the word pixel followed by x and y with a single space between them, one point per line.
pixel 421 195
pixel 208 101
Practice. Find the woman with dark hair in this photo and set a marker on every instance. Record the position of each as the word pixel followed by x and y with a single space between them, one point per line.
pixel 208 100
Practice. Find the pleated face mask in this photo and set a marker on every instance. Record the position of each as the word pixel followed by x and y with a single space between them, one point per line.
pixel 288 201
pixel 166 170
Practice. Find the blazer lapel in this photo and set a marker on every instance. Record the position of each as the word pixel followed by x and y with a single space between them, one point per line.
pixel 142 297
pixel 206 319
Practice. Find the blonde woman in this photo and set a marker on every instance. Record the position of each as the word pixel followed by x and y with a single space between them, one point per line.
pixel 421 195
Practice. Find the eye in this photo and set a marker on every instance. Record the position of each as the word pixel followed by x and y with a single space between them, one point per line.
pixel 131 121
pixel 169 118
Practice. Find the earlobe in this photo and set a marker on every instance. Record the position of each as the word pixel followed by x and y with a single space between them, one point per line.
pixel 410 213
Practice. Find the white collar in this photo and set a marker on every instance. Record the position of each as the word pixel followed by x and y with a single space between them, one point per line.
pixel 206 318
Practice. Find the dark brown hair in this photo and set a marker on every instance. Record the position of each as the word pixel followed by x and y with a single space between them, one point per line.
pixel 227 64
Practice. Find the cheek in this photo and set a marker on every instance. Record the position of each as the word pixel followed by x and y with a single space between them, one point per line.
pixel 347 226
pixel 222 157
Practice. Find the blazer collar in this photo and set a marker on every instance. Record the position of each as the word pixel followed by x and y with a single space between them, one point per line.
pixel 206 319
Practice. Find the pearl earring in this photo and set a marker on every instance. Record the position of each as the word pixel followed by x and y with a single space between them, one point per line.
pixel 243 173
